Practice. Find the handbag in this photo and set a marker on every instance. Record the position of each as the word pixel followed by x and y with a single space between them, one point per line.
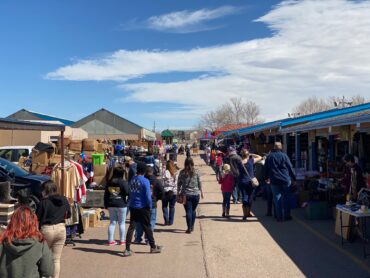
pixel 181 199
pixel 254 180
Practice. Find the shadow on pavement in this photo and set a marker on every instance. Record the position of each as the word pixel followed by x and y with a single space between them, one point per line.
pixel 234 220
pixel 176 231
pixel 211 203
pixel 99 251
pixel 313 255
pixel 91 241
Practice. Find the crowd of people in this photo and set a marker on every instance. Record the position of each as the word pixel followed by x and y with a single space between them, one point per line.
pixel 242 175
pixel 33 242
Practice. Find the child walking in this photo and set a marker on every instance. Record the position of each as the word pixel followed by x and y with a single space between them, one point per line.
pixel 227 183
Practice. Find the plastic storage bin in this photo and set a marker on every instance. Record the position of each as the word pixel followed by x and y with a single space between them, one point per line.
pixel 97 159
pixel 317 210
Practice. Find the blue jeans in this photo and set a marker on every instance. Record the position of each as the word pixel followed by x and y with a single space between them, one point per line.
pixel 139 228
pixel 269 197
pixel 246 190
pixel 218 170
pixel 236 194
pixel 280 195
pixel 226 199
pixel 168 208
pixel 117 215
pixel 190 206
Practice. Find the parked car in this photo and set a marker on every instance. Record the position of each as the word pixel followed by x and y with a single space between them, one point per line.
pixel 22 181
pixel 13 153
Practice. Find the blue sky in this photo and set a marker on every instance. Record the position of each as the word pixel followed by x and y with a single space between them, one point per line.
pixel 171 61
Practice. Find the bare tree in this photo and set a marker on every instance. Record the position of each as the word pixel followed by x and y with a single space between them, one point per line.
pixel 314 104
pixel 251 113
pixel 311 105
pixel 237 111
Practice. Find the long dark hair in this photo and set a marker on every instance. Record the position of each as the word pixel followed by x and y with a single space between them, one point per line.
pixel 189 169
pixel 118 173
pixel 49 188
pixel 171 167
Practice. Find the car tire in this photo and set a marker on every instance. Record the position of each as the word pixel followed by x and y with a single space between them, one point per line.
pixel 33 202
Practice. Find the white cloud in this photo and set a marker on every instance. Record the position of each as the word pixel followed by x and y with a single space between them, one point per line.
pixel 189 21
pixel 319 48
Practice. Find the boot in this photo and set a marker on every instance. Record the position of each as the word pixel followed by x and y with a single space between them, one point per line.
pixel 248 211
pixel 228 212
pixel 223 211
pixel 245 212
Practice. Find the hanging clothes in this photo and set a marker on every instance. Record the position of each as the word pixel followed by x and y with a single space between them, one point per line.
pixel 71 180
pixel 81 191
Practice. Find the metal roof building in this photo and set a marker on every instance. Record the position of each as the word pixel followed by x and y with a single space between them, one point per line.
pixel 104 124
pixel 283 124
pixel 27 115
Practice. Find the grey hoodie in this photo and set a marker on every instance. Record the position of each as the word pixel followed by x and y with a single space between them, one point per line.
pixel 27 258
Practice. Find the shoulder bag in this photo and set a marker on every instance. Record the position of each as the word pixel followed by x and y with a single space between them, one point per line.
pixel 254 181
pixel 181 197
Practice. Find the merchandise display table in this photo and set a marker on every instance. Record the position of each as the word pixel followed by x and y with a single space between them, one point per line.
pixel 361 224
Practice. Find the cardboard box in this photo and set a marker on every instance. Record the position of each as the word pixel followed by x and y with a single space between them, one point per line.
pixel 89 145
pixel 100 148
pixel 75 145
pixel 93 220
pixel 100 170
pixel 41 158
pixel 38 168
pixel 56 159
pixel 85 221
pixel 100 180
pixel 67 141
pixel 347 220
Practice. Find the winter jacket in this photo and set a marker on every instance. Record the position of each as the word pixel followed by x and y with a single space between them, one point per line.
pixel 227 182
pixel 278 168
pixel 53 210
pixel 235 163
pixel 156 189
pixel 189 185
pixel 116 194
pixel 26 258
pixel 140 194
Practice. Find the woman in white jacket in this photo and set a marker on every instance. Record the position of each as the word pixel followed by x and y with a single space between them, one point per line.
pixel 170 177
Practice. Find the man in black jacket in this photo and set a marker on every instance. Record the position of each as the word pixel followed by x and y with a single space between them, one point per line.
pixel 235 161
pixel 279 173
pixel 157 190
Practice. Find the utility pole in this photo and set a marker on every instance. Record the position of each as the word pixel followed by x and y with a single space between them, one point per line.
pixel 154 127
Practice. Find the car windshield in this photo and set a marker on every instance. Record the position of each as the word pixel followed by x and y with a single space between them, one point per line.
pixel 11 168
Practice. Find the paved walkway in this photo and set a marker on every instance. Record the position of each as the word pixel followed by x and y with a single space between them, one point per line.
pixel 217 248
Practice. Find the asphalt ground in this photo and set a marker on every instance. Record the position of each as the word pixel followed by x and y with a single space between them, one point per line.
pixel 219 247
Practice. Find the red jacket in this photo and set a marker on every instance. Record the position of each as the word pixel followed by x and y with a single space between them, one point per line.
pixel 227 182
pixel 219 160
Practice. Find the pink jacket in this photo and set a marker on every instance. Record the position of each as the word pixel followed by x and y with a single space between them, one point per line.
pixel 227 182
